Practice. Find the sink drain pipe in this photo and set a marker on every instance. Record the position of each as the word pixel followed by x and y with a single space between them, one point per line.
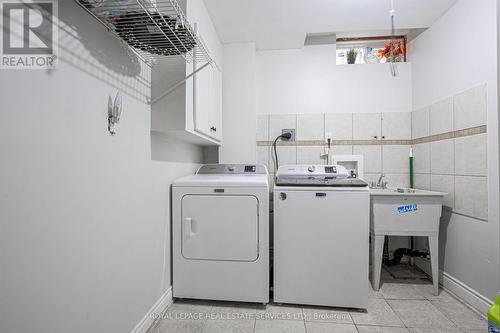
pixel 399 253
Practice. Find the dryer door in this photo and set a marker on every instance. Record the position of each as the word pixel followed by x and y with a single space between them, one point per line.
pixel 220 227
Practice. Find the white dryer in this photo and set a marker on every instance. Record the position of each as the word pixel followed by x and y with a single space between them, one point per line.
pixel 220 234
pixel 321 224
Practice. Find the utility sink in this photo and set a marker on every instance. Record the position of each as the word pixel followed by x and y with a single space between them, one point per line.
pixel 394 191
pixel 404 212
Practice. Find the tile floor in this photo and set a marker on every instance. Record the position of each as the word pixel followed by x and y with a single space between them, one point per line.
pixel 398 307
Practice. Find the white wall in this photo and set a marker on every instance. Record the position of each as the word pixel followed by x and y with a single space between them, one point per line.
pixel 297 82
pixel 238 104
pixel 498 103
pixel 309 81
pixel 458 52
pixel 84 217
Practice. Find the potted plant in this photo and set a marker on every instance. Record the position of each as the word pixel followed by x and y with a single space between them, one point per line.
pixel 351 56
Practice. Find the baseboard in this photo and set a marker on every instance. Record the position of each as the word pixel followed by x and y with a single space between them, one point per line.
pixel 469 296
pixel 154 313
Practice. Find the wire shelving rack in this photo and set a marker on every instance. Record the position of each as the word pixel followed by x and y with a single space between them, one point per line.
pixel 156 30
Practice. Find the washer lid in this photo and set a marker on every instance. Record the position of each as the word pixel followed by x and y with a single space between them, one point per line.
pixel 321 182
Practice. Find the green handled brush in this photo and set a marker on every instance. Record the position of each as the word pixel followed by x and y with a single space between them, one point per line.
pixel 411 167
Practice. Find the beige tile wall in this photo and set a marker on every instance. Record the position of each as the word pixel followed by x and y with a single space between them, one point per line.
pixel 449 160
pixel 396 126
pixel 420 123
pixel 441 117
pixel 456 165
pixel 469 108
pixel 366 126
pixel 392 160
pixel 340 125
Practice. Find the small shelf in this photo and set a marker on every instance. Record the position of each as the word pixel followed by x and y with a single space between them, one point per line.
pixel 154 29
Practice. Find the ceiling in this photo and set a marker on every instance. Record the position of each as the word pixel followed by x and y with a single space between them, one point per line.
pixel 283 24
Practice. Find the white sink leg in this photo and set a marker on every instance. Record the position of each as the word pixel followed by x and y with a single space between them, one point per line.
pixel 434 251
pixel 377 253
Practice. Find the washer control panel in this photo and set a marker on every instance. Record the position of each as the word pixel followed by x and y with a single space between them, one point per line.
pixel 312 171
pixel 331 169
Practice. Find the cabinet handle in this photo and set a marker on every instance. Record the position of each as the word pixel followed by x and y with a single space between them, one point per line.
pixel 383 136
pixel 375 137
pixel 213 128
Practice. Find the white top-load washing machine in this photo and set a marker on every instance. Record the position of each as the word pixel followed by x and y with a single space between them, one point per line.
pixel 220 234
pixel 321 236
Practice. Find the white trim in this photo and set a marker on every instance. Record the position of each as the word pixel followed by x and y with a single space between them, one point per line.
pixel 468 295
pixel 465 293
pixel 154 313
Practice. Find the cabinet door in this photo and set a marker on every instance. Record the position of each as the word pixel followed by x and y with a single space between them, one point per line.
pixel 202 100
pixel 215 115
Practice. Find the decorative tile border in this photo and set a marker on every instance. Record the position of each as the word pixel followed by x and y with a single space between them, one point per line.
pixel 432 138
pixel 336 143
pixel 450 135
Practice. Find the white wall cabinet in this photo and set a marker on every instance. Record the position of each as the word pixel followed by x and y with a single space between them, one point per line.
pixel 207 102
pixel 193 111
pixel 216 113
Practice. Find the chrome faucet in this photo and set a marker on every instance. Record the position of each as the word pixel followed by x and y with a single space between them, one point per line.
pixel 379 181
pixel 379 184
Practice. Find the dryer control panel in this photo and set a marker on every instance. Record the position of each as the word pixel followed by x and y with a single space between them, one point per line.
pixel 237 169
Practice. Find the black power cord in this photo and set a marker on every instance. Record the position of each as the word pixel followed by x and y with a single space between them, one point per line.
pixel 287 136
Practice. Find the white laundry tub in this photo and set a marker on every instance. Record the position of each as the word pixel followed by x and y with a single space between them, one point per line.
pixel 415 213
pixel 404 212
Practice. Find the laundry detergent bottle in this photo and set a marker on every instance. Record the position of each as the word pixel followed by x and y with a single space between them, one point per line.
pixel 494 317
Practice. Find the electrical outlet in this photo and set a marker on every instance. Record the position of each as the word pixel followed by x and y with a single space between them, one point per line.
pixel 289 130
pixel 328 135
